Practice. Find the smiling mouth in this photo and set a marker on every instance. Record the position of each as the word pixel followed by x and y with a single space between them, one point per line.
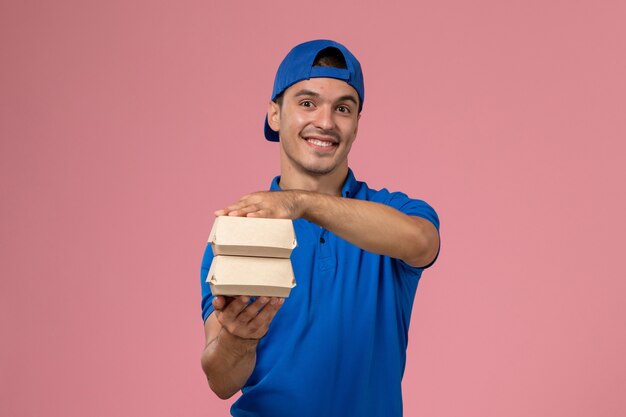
pixel 321 143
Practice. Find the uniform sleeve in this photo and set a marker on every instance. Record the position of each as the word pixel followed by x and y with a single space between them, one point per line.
pixel 419 208
pixel 207 297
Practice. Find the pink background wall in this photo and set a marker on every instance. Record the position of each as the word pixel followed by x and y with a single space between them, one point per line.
pixel 124 124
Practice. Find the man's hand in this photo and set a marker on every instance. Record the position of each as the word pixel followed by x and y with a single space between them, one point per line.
pixel 267 204
pixel 232 333
pixel 245 319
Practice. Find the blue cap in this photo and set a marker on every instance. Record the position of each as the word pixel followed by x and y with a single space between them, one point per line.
pixel 298 66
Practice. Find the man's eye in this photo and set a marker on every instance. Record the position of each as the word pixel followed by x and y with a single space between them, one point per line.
pixel 344 109
pixel 307 103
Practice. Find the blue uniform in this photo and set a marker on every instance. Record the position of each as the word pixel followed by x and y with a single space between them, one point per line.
pixel 337 347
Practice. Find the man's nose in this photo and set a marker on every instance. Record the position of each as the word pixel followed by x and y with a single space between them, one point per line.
pixel 325 118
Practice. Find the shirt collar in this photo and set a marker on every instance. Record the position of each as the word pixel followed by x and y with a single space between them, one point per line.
pixel 349 189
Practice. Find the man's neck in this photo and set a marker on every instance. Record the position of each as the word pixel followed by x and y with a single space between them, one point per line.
pixel 291 179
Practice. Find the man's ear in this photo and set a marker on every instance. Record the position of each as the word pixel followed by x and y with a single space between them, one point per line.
pixel 273 116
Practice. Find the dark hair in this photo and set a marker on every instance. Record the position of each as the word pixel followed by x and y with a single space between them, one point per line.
pixel 327 57
pixel 330 57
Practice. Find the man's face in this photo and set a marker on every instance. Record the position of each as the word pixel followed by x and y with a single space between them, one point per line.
pixel 318 122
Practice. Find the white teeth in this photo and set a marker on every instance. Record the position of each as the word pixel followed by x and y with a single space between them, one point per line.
pixel 320 142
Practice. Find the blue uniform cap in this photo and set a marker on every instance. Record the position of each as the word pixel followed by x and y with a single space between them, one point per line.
pixel 298 66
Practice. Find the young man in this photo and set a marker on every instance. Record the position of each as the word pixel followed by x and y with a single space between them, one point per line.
pixel 337 345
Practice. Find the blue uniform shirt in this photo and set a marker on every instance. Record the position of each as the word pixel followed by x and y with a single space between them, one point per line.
pixel 337 347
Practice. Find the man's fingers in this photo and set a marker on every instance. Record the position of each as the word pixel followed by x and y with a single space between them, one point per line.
pixel 235 206
pixel 261 321
pixel 232 310
pixel 244 211
pixel 239 204
pixel 267 314
pixel 252 310
pixel 248 320
pixel 219 302
pixel 264 213
pixel 264 204
pixel 240 209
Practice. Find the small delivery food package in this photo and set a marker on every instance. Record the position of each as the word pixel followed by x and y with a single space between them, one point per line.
pixel 251 275
pixel 249 236
pixel 251 257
